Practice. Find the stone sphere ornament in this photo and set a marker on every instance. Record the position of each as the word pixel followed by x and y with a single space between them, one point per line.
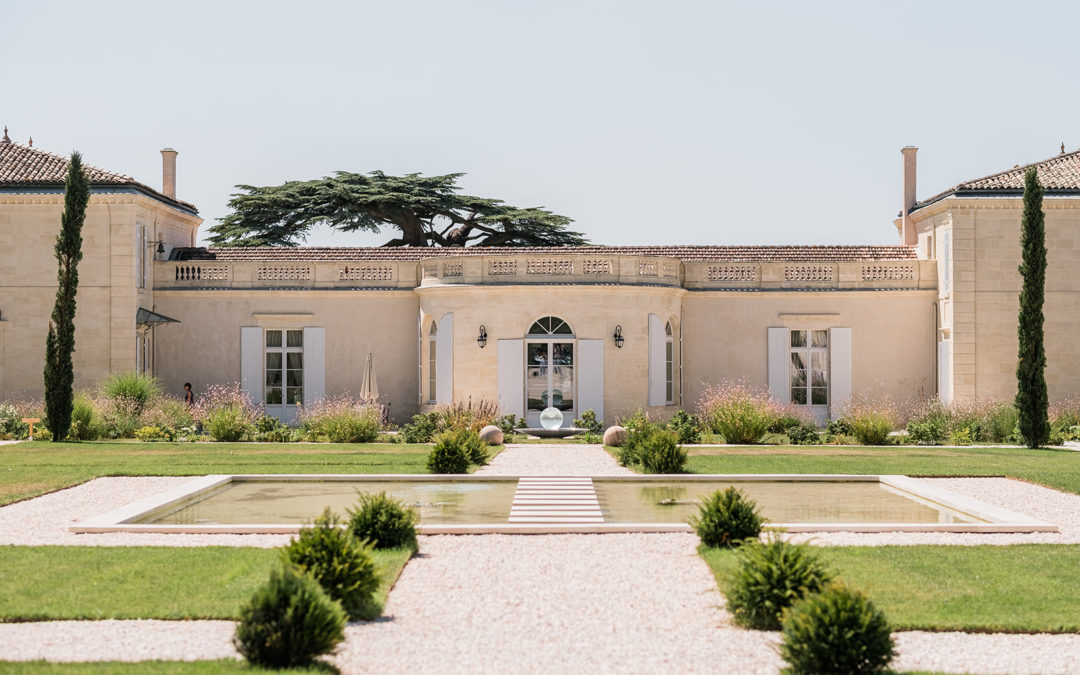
pixel 615 436
pixel 492 435
pixel 551 418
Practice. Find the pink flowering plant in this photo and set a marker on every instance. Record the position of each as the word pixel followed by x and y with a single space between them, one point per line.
pixel 342 419
pixel 227 413
pixel 740 413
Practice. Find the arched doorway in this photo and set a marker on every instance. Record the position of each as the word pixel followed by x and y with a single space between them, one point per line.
pixel 549 369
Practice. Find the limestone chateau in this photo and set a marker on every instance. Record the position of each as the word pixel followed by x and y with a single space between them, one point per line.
pixel 590 327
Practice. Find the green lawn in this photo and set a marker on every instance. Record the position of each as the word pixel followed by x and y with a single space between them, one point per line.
pixel 82 582
pixel 31 469
pixel 1024 588
pixel 1055 468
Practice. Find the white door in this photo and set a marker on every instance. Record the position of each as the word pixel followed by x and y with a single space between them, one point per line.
pixel 549 380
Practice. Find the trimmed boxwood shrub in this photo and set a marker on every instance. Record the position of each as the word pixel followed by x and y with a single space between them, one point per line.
pixel 660 453
pixel 769 578
pixel 383 521
pixel 289 622
pixel 727 518
pixel 836 631
pixel 449 455
pixel 341 563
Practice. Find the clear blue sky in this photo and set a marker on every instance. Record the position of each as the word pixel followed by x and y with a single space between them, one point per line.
pixel 645 122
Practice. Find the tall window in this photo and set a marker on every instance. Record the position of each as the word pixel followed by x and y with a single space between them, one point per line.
pixel 669 364
pixel 946 260
pixel 142 351
pixel 284 367
pixel 809 367
pixel 140 256
pixel 432 357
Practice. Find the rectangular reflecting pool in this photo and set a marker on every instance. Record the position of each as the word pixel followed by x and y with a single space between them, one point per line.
pixel 468 504
pixel 779 502
pixel 298 502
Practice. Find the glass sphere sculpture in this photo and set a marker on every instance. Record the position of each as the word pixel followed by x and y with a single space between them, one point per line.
pixel 551 418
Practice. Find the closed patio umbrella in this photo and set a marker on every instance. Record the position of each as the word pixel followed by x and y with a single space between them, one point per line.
pixel 369 387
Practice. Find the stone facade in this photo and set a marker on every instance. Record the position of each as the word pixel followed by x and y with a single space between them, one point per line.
pixel 641 327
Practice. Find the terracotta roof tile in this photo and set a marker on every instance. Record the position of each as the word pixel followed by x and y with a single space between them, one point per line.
pixel 690 253
pixel 24 166
pixel 1060 173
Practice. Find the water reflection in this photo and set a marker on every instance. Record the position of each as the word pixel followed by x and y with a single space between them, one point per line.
pixel 288 502
pixel 780 502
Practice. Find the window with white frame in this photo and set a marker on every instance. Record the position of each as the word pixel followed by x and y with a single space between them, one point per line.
pixel 433 341
pixel 669 364
pixel 809 367
pixel 284 382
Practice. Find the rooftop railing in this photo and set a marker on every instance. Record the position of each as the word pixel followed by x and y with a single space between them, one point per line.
pixel 547 269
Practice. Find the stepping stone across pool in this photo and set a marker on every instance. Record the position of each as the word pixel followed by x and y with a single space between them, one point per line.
pixel 555 499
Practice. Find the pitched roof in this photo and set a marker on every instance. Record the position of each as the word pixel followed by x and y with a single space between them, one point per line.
pixel 22 166
pixel 691 253
pixel 1058 175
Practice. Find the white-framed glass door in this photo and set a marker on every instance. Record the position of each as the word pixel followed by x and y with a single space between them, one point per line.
pixel 809 372
pixel 283 388
pixel 549 379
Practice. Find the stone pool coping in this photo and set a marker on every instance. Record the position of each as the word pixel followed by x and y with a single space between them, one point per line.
pixel 999 520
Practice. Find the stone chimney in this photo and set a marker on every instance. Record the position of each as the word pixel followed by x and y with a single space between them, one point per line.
pixel 168 172
pixel 910 236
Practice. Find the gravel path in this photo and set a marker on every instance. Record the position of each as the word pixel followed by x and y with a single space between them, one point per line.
pixel 621 603
pixel 543 459
pixel 117 640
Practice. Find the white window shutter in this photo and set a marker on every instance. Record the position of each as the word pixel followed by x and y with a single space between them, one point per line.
pixel 251 363
pixel 779 363
pixel 314 364
pixel 944 377
pixel 657 381
pixel 511 367
pixel 444 361
pixel 590 360
pixel 839 370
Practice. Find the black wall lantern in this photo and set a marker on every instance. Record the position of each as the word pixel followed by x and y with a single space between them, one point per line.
pixel 481 339
pixel 618 337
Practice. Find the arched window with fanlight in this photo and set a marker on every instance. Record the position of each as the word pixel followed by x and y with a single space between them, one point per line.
pixel 549 326
pixel 433 351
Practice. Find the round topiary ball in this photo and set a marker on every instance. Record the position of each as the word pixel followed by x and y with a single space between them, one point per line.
pixel 384 521
pixel 492 435
pixel 289 622
pixel 615 436
pixel 836 631
pixel 451 454
pixel 341 563
pixel 769 578
pixel 727 518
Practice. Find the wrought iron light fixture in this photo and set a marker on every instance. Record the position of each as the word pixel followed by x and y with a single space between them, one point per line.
pixel 160 246
pixel 481 339
pixel 618 337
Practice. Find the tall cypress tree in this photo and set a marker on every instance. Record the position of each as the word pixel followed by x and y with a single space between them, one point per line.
pixel 1031 398
pixel 60 343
